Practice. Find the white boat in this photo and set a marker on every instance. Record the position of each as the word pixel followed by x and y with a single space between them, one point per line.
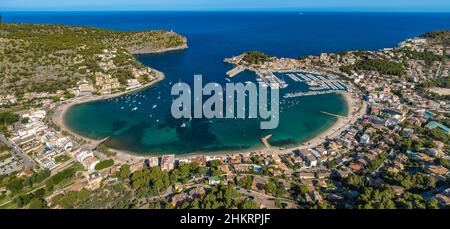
pixel 135 108
pixel 154 106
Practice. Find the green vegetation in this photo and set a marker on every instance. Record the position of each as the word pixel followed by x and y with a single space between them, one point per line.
pixel 124 172
pixel 187 171
pixel 376 162
pixel 150 181
pixel 48 58
pixel 440 82
pixel 246 182
pixel 6 119
pixel 35 200
pixel 61 158
pixel 70 199
pixel 428 57
pixel 16 185
pixel 376 198
pixel 380 65
pixel 272 187
pixel 106 150
pixel 104 164
pixel 415 183
pixel 62 176
pixel 437 35
pixel 385 198
pixel 255 57
pixel 220 197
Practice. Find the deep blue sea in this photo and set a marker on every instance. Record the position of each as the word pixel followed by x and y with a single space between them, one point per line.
pixel 212 36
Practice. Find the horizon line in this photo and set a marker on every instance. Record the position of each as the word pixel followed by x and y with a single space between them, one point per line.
pixel 322 10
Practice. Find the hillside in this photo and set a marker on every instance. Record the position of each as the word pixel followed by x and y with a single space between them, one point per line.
pixel 50 58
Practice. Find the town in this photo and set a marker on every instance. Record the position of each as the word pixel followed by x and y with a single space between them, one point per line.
pixel 391 152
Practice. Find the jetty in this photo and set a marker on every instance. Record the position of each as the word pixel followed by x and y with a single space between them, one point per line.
pixel 94 145
pixel 334 115
pixel 233 72
pixel 265 140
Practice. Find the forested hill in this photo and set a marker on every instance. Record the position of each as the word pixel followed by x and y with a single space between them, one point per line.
pixel 46 58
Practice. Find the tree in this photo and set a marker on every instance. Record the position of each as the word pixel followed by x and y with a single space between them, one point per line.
pixel 246 182
pixel 354 181
pixel 432 204
pixel 124 172
pixel 411 201
pixel 37 203
pixel 15 185
pixel 8 118
pixel 104 164
pixel 271 187
pixel 381 198
pixel 249 204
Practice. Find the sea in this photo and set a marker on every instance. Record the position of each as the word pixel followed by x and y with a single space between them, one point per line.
pixel 141 122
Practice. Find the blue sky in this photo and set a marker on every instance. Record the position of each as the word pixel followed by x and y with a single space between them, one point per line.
pixel 305 5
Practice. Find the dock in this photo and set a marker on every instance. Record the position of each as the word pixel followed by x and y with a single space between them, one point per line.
pixel 265 140
pixel 95 144
pixel 233 72
pixel 334 115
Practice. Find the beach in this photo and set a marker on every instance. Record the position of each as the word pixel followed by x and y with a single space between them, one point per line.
pixel 122 156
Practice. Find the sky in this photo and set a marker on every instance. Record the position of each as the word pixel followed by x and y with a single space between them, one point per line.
pixel 300 5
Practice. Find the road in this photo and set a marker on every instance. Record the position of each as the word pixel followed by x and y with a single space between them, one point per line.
pixel 28 162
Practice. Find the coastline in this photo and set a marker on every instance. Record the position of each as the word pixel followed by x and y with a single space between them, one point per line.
pixel 144 51
pixel 60 110
pixel 123 156
pixel 333 131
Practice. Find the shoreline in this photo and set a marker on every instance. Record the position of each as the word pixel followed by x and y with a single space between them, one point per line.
pixel 143 52
pixel 59 112
pixel 123 156
pixel 333 131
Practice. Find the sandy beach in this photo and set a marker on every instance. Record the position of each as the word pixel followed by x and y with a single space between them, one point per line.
pixel 342 123
pixel 59 113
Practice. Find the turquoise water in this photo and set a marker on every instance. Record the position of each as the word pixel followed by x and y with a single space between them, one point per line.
pixel 212 37
pixel 146 129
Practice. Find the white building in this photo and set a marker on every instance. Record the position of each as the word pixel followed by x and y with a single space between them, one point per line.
pixel 365 139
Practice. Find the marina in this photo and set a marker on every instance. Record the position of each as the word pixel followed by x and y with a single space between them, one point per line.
pixel 318 83
pixel 310 93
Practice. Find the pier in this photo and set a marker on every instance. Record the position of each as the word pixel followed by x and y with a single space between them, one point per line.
pixel 265 140
pixel 334 115
pixel 233 72
pixel 94 145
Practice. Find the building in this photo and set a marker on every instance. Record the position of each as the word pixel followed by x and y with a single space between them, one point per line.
pixel 308 158
pixel 167 162
pixel 94 180
pixel 152 162
pixel 87 159
pixel 85 88
pixel 365 139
